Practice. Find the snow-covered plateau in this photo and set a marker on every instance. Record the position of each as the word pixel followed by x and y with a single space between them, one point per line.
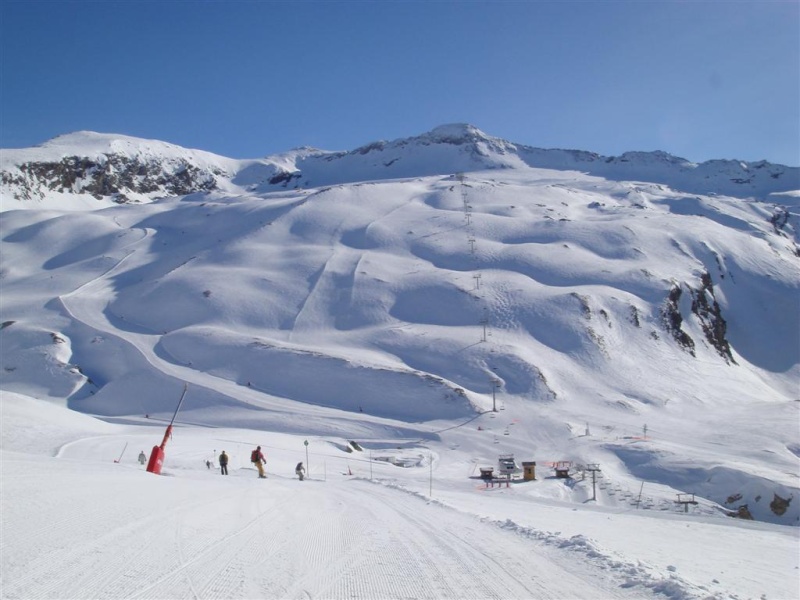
pixel 398 317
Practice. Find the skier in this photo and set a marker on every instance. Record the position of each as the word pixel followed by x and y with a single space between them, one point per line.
pixel 300 471
pixel 223 463
pixel 142 457
pixel 208 465
pixel 257 457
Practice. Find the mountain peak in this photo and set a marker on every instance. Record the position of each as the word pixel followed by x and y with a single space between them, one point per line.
pixel 457 133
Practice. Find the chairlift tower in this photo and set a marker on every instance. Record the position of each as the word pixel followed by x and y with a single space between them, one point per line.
pixel 495 384
pixel 594 469
pixel 686 500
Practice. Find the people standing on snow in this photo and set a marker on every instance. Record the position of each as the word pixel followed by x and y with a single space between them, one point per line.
pixel 208 465
pixel 142 457
pixel 300 471
pixel 257 458
pixel 223 463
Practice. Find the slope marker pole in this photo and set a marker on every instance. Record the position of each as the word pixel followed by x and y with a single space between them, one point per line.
pixel 121 453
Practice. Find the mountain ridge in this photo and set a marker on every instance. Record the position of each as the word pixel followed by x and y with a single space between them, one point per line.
pixel 116 169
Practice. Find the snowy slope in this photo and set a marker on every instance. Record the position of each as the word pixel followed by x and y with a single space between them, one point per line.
pixel 609 320
pixel 362 526
pixel 240 537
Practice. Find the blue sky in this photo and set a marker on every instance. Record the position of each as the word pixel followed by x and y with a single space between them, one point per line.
pixel 244 79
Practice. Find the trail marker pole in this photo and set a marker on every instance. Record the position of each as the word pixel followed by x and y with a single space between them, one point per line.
pixel 121 453
pixel 430 486
pixel 308 467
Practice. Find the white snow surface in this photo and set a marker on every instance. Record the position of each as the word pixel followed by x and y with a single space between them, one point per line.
pixel 400 519
pixel 411 329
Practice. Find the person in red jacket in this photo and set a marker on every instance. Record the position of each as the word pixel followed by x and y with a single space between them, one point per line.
pixel 257 457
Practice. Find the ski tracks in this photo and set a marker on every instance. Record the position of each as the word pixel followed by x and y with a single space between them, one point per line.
pixel 217 559
pixel 239 538
pixel 378 547
pixel 129 543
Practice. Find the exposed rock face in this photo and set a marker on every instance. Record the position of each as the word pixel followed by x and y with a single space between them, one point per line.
pixel 708 313
pixel 779 219
pixel 672 319
pixel 779 505
pixel 707 309
pixel 114 176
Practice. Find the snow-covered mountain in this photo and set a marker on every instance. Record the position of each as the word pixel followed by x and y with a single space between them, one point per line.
pixel 640 311
pixel 99 169
pixel 415 310
pixel 103 168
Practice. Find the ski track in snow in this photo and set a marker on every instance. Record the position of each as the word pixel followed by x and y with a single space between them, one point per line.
pixel 579 554
pixel 237 537
pixel 86 305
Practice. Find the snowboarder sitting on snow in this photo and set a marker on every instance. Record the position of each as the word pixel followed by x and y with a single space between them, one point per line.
pixel 223 463
pixel 300 471
pixel 142 458
pixel 257 458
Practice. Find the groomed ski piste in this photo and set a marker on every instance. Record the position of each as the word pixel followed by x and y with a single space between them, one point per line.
pixel 77 524
pixel 398 336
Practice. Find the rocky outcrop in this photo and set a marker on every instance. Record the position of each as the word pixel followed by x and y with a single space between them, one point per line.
pixel 780 505
pixel 672 320
pixel 707 312
pixel 118 177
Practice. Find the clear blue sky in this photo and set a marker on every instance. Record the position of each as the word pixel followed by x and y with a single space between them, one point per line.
pixel 244 79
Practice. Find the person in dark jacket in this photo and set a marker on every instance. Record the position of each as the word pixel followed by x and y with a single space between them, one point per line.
pixel 223 463
pixel 300 471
